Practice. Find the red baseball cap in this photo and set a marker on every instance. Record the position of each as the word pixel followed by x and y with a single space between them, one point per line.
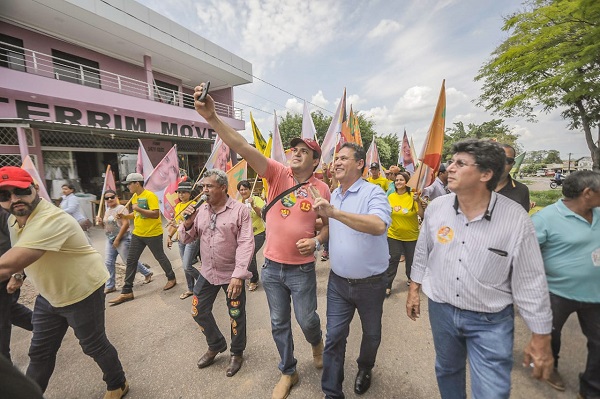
pixel 12 176
pixel 310 143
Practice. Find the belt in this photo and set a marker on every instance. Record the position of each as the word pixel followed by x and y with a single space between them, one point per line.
pixel 370 279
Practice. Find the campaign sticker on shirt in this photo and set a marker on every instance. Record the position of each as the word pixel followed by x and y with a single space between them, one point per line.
pixel 301 192
pixel 285 213
pixel 305 205
pixel 397 208
pixel 289 200
pixel 596 257
pixel 445 234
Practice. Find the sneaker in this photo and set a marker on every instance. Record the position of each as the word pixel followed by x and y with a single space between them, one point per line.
pixel 284 386
pixel 325 256
pixel 148 278
pixel 117 393
pixel 556 381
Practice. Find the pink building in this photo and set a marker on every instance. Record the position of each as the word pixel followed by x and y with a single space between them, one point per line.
pixel 82 80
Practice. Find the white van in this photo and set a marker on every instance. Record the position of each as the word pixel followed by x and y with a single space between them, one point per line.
pixel 540 173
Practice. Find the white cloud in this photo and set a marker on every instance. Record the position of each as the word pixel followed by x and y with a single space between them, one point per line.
pixel 384 28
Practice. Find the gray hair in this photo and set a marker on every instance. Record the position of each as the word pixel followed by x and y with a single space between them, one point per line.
pixel 220 176
pixel 578 181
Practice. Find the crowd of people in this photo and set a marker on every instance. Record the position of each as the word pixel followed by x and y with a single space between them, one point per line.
pixel 467 240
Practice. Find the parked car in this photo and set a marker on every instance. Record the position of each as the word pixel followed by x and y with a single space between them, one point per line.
pixel 550 172
pixel 541 173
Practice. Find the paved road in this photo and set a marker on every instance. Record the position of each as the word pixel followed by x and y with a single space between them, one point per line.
pixel 159 345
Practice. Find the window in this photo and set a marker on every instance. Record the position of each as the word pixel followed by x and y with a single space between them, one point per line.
pixel 74 69
pixel 166 92
pixel 12 54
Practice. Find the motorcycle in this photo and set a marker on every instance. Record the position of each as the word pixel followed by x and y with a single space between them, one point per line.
pixel 555 183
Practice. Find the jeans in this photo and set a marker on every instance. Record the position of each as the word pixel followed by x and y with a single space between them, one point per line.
pixel 11 313
pixel 188 253
pixel 588 315
pixel 284 284
pixel 111 257
pixel 205 294
pixel 135 251
pixel 259 240
pixel 487 340
pixel 397 249
pixel 86 318
pixel 343 298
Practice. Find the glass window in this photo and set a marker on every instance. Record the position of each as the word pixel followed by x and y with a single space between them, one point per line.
pixel 74 69
pixel 12 54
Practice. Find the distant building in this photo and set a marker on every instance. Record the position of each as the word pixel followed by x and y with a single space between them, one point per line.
pixel 585 163
pixel 82 80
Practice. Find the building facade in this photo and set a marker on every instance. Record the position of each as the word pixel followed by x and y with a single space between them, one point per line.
pixel 83 81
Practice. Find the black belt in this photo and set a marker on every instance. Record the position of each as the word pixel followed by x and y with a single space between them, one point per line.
pixel 370 279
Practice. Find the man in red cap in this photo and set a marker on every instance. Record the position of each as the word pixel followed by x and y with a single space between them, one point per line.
pixel 69 275
pixel 289 271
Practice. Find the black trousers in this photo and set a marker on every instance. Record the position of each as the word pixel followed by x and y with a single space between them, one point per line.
pixel 135 251
pixel 11 313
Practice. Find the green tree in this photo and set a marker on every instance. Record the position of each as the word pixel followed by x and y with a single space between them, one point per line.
pixel 495 129
pixel 551 60
pixel 553 156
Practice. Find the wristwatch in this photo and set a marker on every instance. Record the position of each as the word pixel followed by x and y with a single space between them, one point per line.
pixel 317 244
pixel 18 276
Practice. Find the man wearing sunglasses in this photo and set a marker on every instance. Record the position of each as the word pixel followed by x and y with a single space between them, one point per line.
pixel 224 228
pixel 69 275
pixel 509 187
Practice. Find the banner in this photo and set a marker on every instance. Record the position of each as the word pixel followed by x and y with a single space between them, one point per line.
pixel 30 168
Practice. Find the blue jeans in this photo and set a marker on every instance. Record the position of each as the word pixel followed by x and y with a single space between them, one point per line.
pixel 343 298
pixel 284 284
pixel 111 257
pixel 188 253
pixel 86 318
pixel 588 315
pixel 486 338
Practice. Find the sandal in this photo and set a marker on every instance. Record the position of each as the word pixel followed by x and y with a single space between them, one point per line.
pixel 186 294
pixel 252 286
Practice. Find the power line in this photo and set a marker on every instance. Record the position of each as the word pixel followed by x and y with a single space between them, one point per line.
pixel 216 58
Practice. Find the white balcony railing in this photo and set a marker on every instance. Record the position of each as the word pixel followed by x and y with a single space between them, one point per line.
pixel 30 61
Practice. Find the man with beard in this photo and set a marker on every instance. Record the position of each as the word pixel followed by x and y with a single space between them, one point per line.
pixel 224 228
pixel 69 275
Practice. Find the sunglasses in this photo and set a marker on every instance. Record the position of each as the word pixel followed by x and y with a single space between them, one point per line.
pixel 5 195
pixel 510 161
pixel 109 198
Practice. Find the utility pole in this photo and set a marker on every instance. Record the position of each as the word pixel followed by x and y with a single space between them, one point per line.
pixel 570 162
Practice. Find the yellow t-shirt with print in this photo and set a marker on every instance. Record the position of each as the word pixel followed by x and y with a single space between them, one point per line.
pixel 258 225
pixel 405 220
pixel 143 226
pixel 380 181
pixel 70 269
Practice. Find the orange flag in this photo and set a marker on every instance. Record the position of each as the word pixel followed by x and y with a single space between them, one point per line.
pixel 235 175
pixel 431 155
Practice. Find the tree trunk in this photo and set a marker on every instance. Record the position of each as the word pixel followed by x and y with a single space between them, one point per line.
pixel 594 147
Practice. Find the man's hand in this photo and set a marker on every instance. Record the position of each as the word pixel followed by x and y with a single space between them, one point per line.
pixel 306 246
pixel 206 109
pixel 413 301
pixel 323 207
pixel 539 353
pixel 13 285
pixel 235 288
pixel 189 214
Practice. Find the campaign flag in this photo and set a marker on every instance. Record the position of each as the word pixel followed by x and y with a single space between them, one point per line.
pixel 354 125
pixel 30 168
pixel 413 152
pixel 259 141
pixel 431 154
pixel 235 175
pixel 220 157
pixel 277 151
pixel 308 125
pixel 335 128
pixel 517 165
pixel 267 154
pixel 109 184
pixel 170 198
pixel 349 128
pixel 143 165
pixel 372 156
pixel 405 157
pixel 165 173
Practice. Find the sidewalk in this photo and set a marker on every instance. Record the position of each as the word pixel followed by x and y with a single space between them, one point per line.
pixel 159 344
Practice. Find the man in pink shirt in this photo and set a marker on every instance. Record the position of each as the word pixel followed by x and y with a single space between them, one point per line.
pixel 289 271
pixel 226 245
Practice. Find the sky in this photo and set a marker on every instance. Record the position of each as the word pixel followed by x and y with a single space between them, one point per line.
pixel 391 56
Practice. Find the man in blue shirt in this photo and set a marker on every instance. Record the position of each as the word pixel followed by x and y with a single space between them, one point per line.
pixel 569 235
pixel 359 216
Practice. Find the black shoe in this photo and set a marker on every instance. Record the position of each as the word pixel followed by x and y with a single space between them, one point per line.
pixel 362 381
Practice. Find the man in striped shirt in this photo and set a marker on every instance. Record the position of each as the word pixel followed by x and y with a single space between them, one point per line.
pixel 477 254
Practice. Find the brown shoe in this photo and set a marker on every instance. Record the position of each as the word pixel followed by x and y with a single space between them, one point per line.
pixel 235 363
pixel 121 298
pixel 170 284
pixel 148 278
pixel 117 393
pixel 556 381
pixel 209 357
pixel 252 286
pixel 317 351
pixel 285 384
pixel 109 290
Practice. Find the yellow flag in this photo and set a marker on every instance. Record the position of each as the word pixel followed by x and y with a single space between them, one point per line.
pixel 259 141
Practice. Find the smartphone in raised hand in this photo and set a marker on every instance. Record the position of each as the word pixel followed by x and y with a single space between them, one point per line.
pixel 202 96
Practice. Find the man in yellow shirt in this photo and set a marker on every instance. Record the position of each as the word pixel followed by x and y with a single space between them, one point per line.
pixel 69 275
pixel 147 231
pixel 376 177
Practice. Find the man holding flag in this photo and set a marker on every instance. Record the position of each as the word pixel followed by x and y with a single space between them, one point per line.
pixel 509 187
pixel 289 271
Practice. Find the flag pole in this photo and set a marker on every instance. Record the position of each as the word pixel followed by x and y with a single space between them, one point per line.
pixel 253 185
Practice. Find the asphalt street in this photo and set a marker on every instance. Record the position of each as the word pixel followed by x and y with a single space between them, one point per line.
pixel 159 344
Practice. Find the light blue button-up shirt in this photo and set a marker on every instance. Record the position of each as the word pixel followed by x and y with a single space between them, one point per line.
pixel 354 254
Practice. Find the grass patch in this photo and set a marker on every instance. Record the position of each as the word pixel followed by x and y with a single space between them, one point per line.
pixel 545 197
pixel 527 182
